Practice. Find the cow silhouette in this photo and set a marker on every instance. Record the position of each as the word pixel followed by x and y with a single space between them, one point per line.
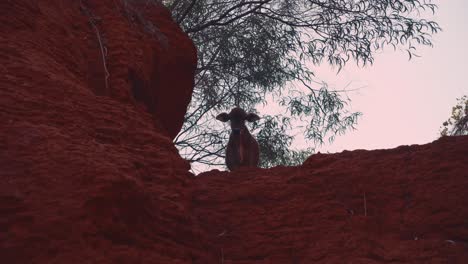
pixel 242 149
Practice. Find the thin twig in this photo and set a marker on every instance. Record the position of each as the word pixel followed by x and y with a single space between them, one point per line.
pixel 92 21
pixel 186 12
pixel 228 15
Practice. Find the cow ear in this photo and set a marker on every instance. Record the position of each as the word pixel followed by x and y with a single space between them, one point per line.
pixel 252 117
pixel 223 117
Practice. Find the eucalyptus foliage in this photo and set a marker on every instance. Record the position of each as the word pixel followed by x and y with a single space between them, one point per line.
pixel 457 124
pixel 251 49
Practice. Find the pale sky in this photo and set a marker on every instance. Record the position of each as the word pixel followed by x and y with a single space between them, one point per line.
pixel 405 102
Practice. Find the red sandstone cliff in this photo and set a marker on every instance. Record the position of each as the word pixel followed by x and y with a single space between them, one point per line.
pixel 403 205
pixel 88 172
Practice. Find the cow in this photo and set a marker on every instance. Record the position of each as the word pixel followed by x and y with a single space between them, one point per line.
pixel 242 149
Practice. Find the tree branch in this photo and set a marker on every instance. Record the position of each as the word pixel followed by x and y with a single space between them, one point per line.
pixel 226 14
pixel 186 12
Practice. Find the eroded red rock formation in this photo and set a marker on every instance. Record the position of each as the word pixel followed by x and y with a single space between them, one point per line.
pixel 403 205
pixel 88 172
pixel 52 46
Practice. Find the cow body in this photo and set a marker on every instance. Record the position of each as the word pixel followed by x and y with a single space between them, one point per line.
pixel 242 149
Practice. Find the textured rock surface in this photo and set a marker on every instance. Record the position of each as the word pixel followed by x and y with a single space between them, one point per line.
pixel 53 45
pixel 404 205
pixel 87 173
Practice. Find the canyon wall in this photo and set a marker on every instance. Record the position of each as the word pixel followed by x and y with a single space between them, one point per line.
pixel 92 92
pixel 402 205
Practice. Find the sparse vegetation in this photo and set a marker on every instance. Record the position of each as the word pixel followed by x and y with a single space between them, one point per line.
pixel 457 124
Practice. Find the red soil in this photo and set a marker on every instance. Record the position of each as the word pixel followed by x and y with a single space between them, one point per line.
pixel 89 174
